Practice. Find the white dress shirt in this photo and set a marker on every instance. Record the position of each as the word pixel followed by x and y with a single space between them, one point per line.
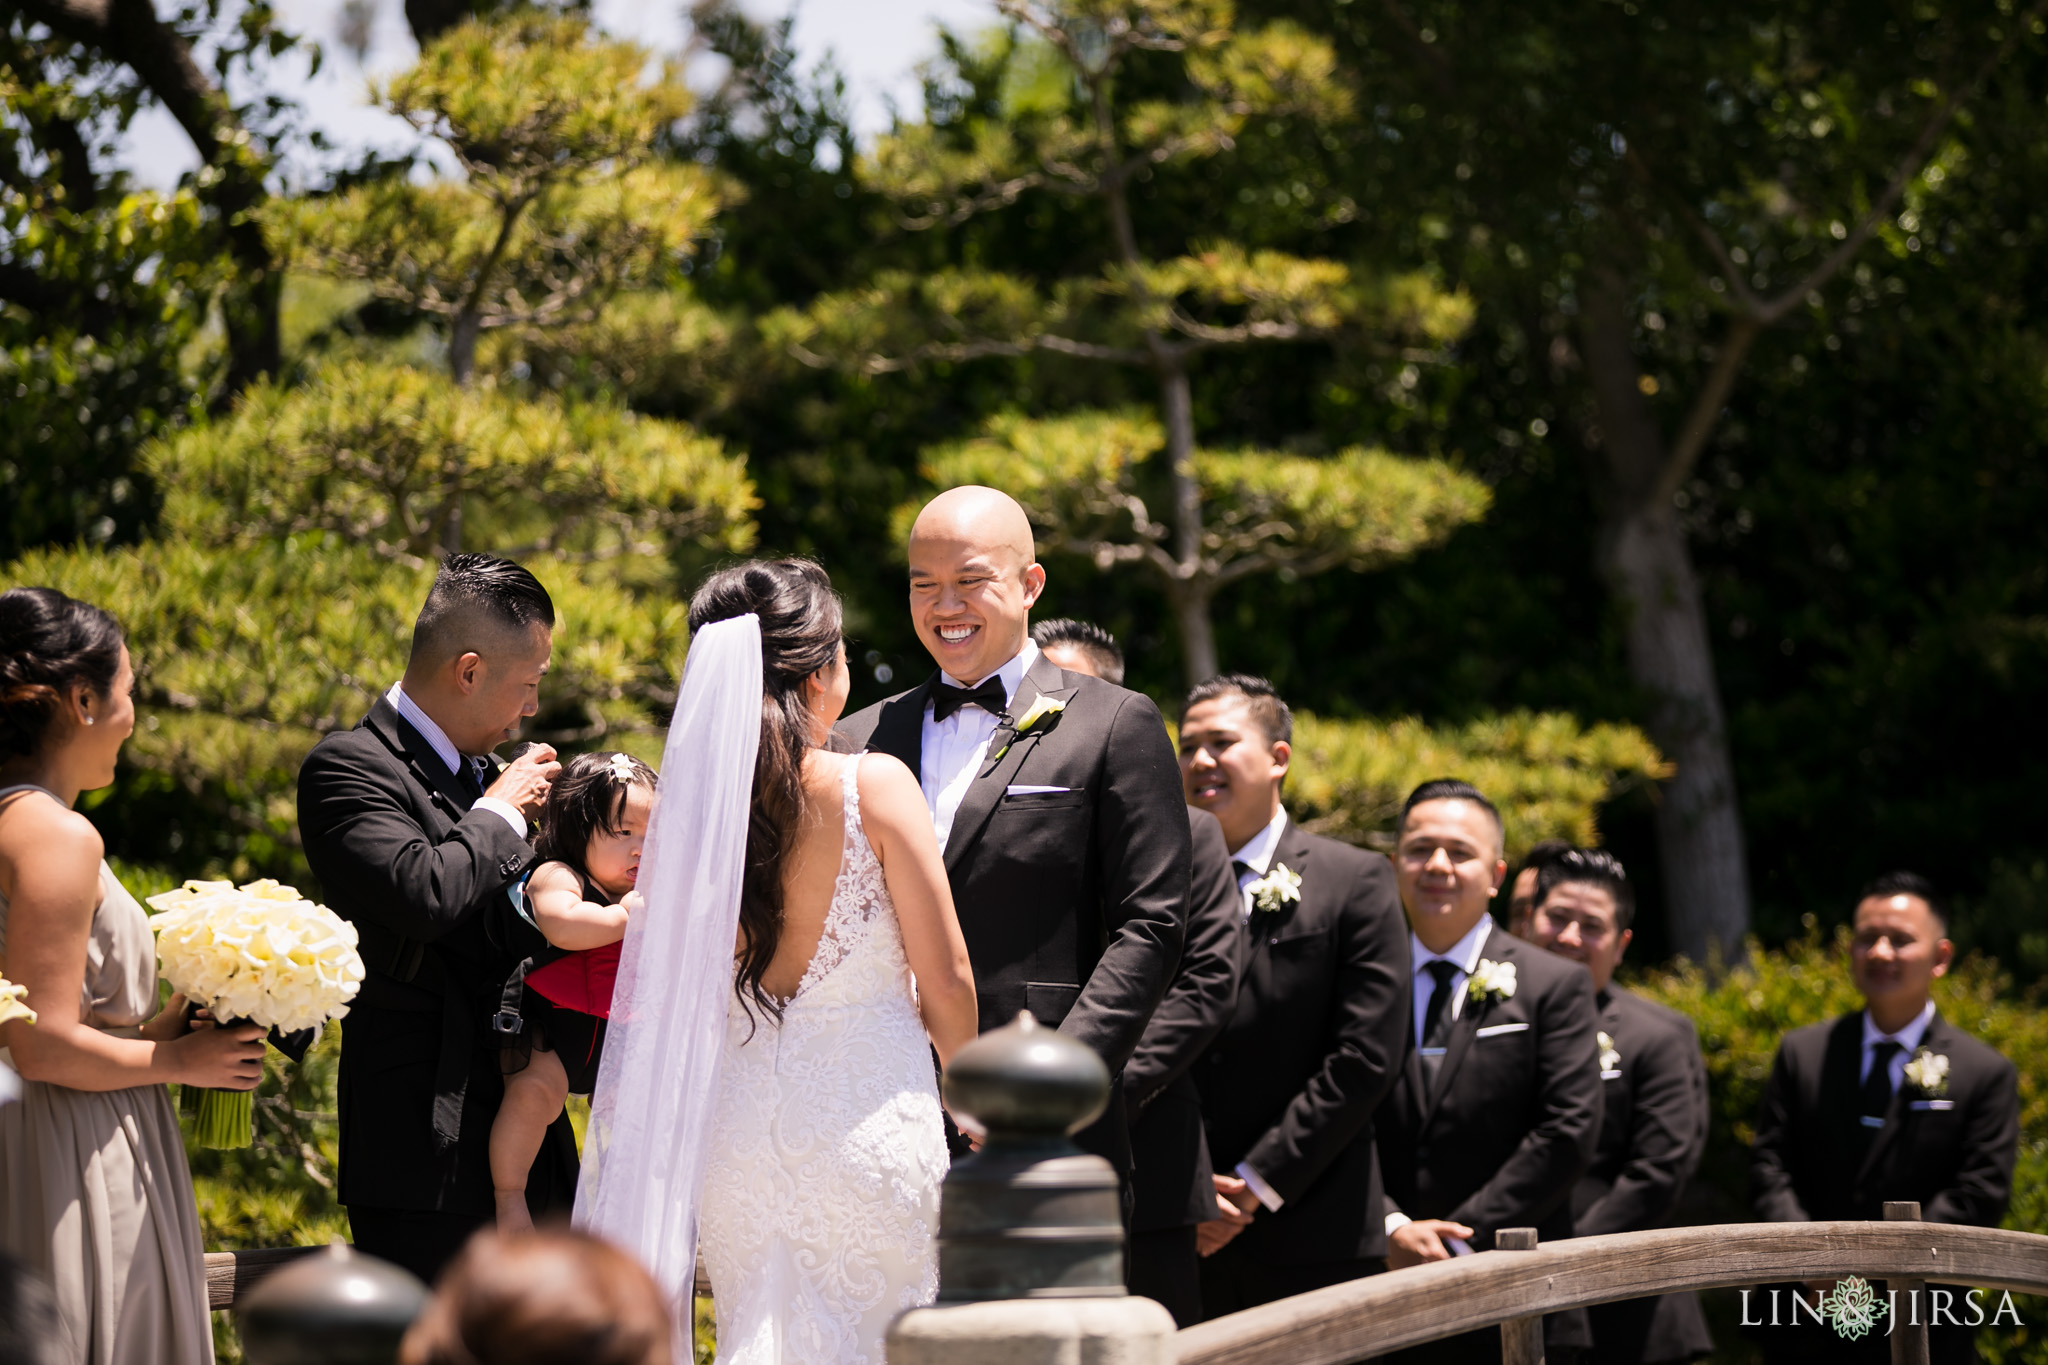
pixel 952 749
pixel 1464 955
pixel 438 740
pixel 1908 1039
pixel 1257 855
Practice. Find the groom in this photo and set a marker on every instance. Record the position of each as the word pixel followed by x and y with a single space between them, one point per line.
pixel 1055 795
pixel 415 833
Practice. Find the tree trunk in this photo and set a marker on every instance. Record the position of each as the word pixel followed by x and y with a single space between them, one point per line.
pixel 1197 635
pixel 1189 595
pixel 1670 653
pixel 1699 825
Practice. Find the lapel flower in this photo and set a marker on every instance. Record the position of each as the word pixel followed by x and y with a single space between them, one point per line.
pixel 1609 1058
pixel 1491 981
pixel 1277 890
pixel 1928 1072
pixel 1034 717
pixel 11 1006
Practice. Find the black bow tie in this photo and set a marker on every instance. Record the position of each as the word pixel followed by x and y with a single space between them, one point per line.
pixel 991 697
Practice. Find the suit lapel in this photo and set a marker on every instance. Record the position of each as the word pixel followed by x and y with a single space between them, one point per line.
pixel 1840 1086
pixel 1896 1113
pixel 1043 678
pixel 1264 925
pixel 426 765
pixel 1465 1027
pixel 899 729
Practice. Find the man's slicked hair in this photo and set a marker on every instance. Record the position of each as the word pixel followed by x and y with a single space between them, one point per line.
pixel 1452 789
pixel 1087 637
pixel 1269 712
pixel 477 599
pixel 1591 867
pixel 1904 883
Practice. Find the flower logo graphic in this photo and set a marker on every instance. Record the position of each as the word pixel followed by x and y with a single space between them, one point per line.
pixel 1853 1308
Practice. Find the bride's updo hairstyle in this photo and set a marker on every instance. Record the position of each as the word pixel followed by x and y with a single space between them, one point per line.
pixel 800 629
pixel 48 642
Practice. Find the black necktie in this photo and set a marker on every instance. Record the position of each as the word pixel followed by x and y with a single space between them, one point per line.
pixel 475 776
pixel 1436 1019
pixel 1241 870
pixel 1877 1090
pixel 991 697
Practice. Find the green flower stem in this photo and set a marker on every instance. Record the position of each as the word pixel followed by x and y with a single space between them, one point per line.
pixel 227 1118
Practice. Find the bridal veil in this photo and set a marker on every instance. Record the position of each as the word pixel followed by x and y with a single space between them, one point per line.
pixel 644 1152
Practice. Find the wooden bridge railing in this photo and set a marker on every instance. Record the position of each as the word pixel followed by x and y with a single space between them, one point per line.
pixel 1513 1289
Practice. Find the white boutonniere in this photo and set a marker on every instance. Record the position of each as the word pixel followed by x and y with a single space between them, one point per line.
pixel 1928 1071
pixel 1609 1057
pixel 1491 980
pixel 1034 718
pixel 1276 890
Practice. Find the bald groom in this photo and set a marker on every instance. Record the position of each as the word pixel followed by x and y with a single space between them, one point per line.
pixel 1055 795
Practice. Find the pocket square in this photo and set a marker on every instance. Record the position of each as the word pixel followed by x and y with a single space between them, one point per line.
pixel 1495 1030
pixel 1025 789
pixel 1932 1104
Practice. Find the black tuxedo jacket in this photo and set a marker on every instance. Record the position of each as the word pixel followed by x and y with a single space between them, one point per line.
pixel 1170 1181
pixel 1653 1128
pixel 1313 1047
pixel 1954 1154
pixel 389 832
pixel 1512 1121
pixel 1073 902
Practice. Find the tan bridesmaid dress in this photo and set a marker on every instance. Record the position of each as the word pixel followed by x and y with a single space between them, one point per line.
pixel 95 1195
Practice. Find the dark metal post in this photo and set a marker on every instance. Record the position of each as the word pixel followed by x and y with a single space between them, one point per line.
pixel 1029 1215
pixel 1521 1339
pixel 1909 1311
pixel 336 1308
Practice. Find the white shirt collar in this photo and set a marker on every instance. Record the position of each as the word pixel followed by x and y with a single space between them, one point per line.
pixel 1012 673
pixel 1464 954
pixel 1908 1038
pixel 434 735
pixel 1257 853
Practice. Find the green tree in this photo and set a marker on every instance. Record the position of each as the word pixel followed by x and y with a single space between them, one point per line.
pixel 563 201
pixel 1647 193
pixel 1076 119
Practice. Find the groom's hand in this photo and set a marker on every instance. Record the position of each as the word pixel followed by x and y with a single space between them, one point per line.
pixel 524 783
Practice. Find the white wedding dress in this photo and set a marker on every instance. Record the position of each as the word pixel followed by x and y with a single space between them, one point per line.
pixel 820 1200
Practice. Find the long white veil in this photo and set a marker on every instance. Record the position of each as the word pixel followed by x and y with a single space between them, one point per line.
pixel 644 1152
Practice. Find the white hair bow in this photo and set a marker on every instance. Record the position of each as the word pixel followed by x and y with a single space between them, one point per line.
pixel 623 769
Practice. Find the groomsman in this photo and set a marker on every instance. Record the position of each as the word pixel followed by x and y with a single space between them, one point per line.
pixel 1171 1189
pixel 1522 886
pixel 415 832
pixel 1319 1030
pixel 1053 794
pixel 1891 1102
pixel 1654 1089
pixel 1497 1110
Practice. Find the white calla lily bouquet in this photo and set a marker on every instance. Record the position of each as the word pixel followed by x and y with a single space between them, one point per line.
pixel 261 954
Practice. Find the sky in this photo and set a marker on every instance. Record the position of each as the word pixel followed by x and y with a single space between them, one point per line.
pixel 876 43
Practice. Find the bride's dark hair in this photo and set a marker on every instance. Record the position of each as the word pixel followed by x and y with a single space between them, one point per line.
pixel 800 630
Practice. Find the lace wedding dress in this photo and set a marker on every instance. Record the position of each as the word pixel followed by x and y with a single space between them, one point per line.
pixel 821 1189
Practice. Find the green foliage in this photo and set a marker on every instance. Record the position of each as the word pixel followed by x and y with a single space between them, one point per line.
pixel 1548 774
pixel 1085 479
pixel 564 200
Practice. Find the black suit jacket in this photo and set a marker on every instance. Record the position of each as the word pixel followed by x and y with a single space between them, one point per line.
pixel 1074 902
pixel 389 832
pixel 1957 1161
pixel 1314 1045
pixel 1653 1128
pixel 1512 1121
pixel 1170 1181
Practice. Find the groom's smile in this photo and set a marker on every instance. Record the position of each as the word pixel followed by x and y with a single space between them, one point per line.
pixel 972 581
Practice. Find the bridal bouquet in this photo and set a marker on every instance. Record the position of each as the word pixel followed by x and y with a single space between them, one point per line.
pixel 11 1007
pixel 260 954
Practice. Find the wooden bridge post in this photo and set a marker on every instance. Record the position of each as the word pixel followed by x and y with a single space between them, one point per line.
pixel 1521 1339
pixel 1909 1314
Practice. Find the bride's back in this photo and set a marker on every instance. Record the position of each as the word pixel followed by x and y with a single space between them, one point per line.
pixel 810 873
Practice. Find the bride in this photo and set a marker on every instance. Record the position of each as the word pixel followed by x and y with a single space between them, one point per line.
pixel 767 1086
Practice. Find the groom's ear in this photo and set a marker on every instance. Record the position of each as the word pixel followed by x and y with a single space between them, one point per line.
pixel 468 671
pixel 1034 583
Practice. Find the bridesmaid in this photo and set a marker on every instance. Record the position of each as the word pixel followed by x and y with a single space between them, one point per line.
pixel 94 1193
